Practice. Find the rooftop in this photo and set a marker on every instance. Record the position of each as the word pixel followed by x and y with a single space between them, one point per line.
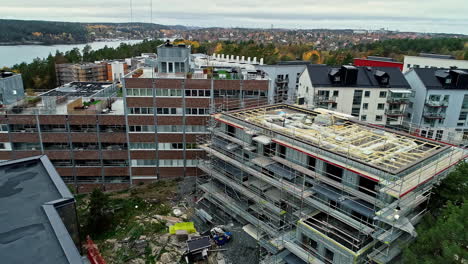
pixel 434 78
pixel 379 148
pixel 85 89
pixel 366 77
pixel 4 74
pixel 436 56
pixel 377 58
pixel 32 230
pixel 219 73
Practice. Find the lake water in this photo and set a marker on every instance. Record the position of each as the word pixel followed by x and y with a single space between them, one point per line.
pixel 11 55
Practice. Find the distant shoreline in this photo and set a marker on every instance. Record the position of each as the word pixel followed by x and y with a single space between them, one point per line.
pixel 38 43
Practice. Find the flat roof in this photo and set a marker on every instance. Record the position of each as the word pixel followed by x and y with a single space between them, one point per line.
pixel 381 148
pixel 78 89
pixel 32 230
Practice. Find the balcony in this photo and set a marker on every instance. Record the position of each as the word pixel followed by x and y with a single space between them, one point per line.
pixel 429 115
pixel 436 104
pixel 396 100
pixel 394 112
pixel 325 99
pixel 278 80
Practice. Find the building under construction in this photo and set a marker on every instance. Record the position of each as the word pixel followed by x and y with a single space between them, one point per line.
pixel 317 186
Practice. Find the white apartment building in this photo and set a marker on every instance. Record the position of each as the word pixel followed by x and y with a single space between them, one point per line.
pixel 284 80
pixel 438 108
pixel 425 60
pixel 378 95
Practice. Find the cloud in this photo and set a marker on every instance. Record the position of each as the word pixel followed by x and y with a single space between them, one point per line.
pixel 409 15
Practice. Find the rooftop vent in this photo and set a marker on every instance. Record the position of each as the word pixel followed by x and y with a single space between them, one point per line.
pixel 349 74
pixel 5 74
pixel 456 79
pixel 459 79
pixel 382 77
pixel 335 75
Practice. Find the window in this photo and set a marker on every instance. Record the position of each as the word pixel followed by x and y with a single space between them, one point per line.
pixel 378 118
pixel 363 117
pixel 3 128
pixel 439 134
pixel 408 66
pixel 380 106
pixel 366 93
pixel 410 105
pixel 365 106
pixel 430 133
pixel 462 116
pixel 336 93
pixel 383 94
pixel 329 255
pixel 423 133
pixel 163 163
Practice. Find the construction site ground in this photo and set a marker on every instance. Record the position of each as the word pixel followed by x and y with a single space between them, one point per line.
pixel 140 232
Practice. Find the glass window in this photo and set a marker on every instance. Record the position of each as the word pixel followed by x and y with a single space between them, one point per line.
pixel 363 117
pixel 365 106
pixel 380 106
pixel 378 118
pixel 383 94
pixel 366 93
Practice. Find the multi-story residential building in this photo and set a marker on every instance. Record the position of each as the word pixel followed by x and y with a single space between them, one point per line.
pixel 426 60
pixel 11 88
pixel 86 72
pixel 39 221
pixel 95 138
pixel 375 61
pixel 284 80
pixel 315 187
pixel 378 95
pixel 439 105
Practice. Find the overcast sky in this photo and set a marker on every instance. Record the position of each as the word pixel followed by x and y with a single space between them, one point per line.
pixel 449 16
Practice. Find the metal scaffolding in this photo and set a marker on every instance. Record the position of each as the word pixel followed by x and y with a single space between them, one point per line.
pixel 347 197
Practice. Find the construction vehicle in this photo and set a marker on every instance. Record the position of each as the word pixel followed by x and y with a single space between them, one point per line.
pixel 220 236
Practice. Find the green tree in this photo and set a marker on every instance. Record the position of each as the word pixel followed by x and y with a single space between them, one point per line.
pixel 442 236
pixel 99 218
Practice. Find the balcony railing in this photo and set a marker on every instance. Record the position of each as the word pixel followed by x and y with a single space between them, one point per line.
pixel 436 103
pixel 326 99
pixel 429 115
pixel 278 80
pixel 393 100
pixel 394 112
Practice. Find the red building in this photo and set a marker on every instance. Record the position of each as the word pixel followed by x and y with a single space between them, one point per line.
pixel 374 61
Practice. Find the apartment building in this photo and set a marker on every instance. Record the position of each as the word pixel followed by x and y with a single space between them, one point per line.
pixel 85 72
pixel 11 88
pixel 95 138
pixel 378 95
pixel 315 187
pixel 284 80
pixel 427 60
pixel 438 108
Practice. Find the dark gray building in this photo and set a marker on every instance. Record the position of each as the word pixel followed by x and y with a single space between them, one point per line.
pixel 11 88
pixel 37 212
